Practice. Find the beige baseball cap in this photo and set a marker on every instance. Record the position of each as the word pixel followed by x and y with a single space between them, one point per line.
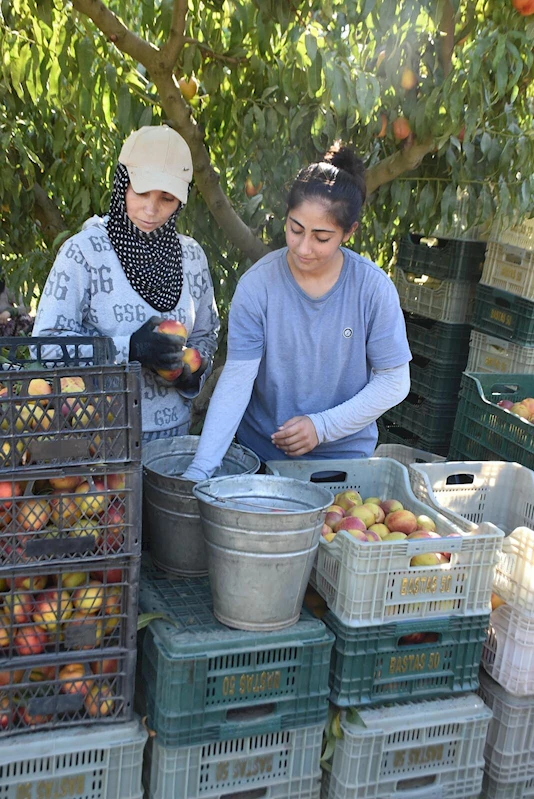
pixel 158 159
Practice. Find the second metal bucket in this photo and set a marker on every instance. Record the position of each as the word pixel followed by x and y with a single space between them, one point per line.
pixel 171 520
pixel 262 534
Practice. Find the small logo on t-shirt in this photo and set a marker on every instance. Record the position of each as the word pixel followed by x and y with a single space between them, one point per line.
pixel 347 333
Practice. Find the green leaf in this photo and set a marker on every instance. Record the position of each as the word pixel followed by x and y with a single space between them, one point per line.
pixel 124 110
pixel 144 619
pixel 84 57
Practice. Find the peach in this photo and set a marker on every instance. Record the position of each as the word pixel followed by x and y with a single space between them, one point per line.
pixel 52 609
pixel 90 504
pixel 423 534
pixel 64 510
pixel 84 416
pixel 66 483
pixel 99 701
pixel 391 505
pixel 13 677
pixel 18 608
pixel 362 512
pixel 395 537
pixel 73 579
pixel 334 513
pixel 42 419
pixel 74 679
pixel 32 719
pixel 520 410
pixel 33 514
pixel 329 536
pixel 380 529
pixel 90 597
pixel 377 510
pixel 424 522
pixel 42 673
pixel 5 632
pixel 425 559
pixel 6 713
pixel 108 576
pixel 401 521
pixel 8 491
pixel 372 536
pixel 496 601
pixel 106 666
pixel 192 358
pixel 117 482
pixel 506 404
pixel 38 387
pixel 31 582
pixel 172 328
pixel 326 530
pixel 347 499
pixel 372 501
pixel 71 384
pixel 351 524
pixel 30 640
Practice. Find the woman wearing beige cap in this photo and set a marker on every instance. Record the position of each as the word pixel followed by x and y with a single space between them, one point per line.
pixel 123 273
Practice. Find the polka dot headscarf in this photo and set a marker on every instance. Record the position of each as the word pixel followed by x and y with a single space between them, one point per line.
pixel 152 262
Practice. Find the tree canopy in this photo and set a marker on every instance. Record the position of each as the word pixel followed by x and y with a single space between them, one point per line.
pixel 435 95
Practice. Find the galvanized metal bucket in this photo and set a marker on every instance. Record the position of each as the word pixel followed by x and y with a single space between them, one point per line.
pixel 171 519
pixel 262 534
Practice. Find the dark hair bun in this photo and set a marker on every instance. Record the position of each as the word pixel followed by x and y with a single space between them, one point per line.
pixel 343 157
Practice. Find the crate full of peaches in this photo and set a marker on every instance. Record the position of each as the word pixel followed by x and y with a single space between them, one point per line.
pixel 69 416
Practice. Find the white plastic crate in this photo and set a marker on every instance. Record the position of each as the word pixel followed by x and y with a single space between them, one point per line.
pixel 444 301
pixel 509 751
pixel 521 235
pixel 406 455
pixel 493 355
pixel 509 269
pixel 365 583
pixel 426 749
pixel 508 653
pixel 102 762
pixel 521 789
pixel 500 493
pixel 277 765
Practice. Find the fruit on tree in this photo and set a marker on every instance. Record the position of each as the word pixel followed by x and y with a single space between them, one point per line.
pixel 188 87
pixel 401 128
pixel 408 79
pixel 250 189
pixel 524 7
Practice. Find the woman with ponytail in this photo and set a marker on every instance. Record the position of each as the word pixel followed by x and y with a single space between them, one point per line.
pixel 317 346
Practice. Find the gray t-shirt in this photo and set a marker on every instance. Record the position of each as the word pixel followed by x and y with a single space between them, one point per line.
pixel 87 294
pixel 315 353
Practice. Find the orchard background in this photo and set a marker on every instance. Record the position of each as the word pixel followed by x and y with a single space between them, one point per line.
pixel 437 97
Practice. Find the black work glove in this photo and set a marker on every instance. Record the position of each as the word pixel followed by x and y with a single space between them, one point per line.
pixel 189 381
pixel 156 350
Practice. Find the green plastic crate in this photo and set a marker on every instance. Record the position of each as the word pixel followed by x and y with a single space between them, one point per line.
pixel 206 682
pixel 436 381
pixel 484 431
pixel 446 259
pixel 391 433
pixel 447 342
pixel 431 420
pixel 372 665
pixel 503 314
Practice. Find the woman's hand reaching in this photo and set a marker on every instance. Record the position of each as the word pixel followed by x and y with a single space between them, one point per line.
pixel 295 437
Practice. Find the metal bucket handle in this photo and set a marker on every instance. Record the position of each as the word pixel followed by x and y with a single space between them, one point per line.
pixel 241 502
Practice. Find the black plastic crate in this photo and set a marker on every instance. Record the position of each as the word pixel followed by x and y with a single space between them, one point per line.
pixel 51 612
pixel 417 659
pixel 29 352
pixel 392 433
pixel 483 430
pixel 58 692
pixel 69 414
pixel 71 515
pixel 448 343
pixel 204 682
pixel 445 259
pixel 503 314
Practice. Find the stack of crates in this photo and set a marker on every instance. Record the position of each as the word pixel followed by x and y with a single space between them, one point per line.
pixel 502 340
pixel 70 545
pixel 471 494
pixel 233 713
pixel 436 281
pixel 408 643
